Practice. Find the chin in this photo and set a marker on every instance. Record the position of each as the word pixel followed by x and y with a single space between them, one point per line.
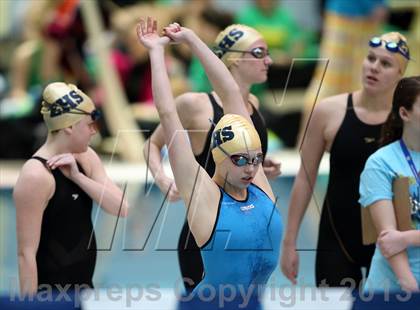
pixel 372 88
pixel 241 185
pixel 261 80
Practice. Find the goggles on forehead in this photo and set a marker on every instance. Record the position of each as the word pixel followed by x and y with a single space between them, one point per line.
pixel 394 47
pixel 94 115
pixel 257 52
pixel 241 160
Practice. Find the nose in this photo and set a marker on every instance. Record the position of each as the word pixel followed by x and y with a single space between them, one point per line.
pixel 249 168
pixel 267 60
pixel 375 65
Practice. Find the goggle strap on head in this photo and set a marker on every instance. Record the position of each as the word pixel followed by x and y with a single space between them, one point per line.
pixel 95 114
pixel 257 52
pixel 394 47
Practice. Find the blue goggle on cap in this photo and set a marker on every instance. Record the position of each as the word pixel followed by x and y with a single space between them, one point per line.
pixel 394 47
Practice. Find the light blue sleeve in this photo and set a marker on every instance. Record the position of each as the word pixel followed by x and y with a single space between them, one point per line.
pixel 375 182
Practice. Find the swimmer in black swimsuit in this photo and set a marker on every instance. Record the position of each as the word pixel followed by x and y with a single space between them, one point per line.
pixel 347 126
pixel 54 193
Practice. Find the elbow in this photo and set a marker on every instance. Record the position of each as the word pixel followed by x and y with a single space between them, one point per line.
pixel 306 177
pixel 24 252
pixel 26 257
pixel 21 256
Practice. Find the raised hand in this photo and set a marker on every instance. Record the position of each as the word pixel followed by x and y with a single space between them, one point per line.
pixel 148 36
pixel 66 163
pixel 272 168
pixel 178 34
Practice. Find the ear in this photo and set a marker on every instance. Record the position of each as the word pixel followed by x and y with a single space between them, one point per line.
pixel 404 114
pixel 233 65
pixel 68 130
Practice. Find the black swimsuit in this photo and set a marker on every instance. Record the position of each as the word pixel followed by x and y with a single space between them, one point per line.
pixel 340 252
pixel 67 247
pixel 189 256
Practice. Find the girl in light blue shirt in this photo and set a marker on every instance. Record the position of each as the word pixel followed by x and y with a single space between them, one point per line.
pixel 396 262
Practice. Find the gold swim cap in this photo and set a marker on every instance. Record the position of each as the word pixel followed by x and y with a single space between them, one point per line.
pixel 234 134
pixel 235 37
pixel 399 48
pixel 63 105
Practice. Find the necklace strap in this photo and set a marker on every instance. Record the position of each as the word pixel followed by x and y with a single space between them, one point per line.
pixel 410 161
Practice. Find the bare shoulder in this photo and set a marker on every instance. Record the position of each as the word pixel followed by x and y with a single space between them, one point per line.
pixel 327 110
pixel 325 119
pixel 194 110
pixel 190 102
pixel 331 105
pixel 330 113
pixel 34 175
pixel 34 170
pixel 254 100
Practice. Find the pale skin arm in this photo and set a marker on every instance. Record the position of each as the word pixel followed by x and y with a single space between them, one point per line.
pixel 223 84
pixel 183 163
pixel 313 148
pixel 391 241
pixel 96 184
pixel 218 74
pixel 185 106
pixel 152 153
pixel 383 217
pixel 30 205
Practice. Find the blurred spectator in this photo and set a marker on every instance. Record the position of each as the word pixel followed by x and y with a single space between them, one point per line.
pixel 286 41
pixel 278 27
pixel 53 48
pixel 285 38
pixel 348 25
pixel 207 24
pixel 34 63
pixel 132 62
pixel 130 58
